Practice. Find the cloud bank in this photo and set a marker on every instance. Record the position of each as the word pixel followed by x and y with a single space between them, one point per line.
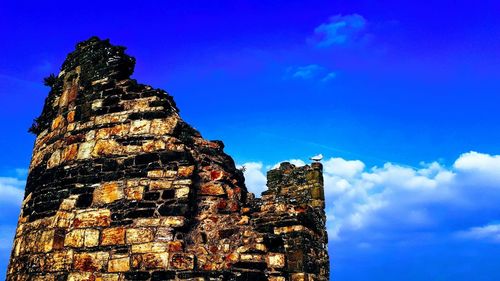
pixel 399 204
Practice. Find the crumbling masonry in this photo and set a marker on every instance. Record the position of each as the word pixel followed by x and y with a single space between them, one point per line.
pixel 121 188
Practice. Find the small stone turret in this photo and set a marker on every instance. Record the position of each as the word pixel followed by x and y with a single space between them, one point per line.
pixel 121 188
pixel 292 212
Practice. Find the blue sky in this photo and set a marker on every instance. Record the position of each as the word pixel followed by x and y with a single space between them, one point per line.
pixel 401 98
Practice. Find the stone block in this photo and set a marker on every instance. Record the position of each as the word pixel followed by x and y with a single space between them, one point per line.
pixel 106 148
pixel 251 258
pixel 93 261
pixel 47 240
pixel 173 221
pixel 164 126
pixel 71 116
pixel 275 260
pixel 299 277
pixel 182 193
pixel 110 118
pixel 152 247
pixel 58 122
pixel 94 218
pixel 70 152
pixel 81 276
pixel 75 238
pixel 108 193
pixel 148 222
pixel 175 246
pixel 108 277
pixel 113 236
pixel 217 175
pixel 57 261
pixel 150 261
pixel 119 265
pixel 134 192
pixel 140 127
pixel 119 130
pixel 211 188
pixel 136 105
pixel 164 234
pixel 91 237
pixel 158 174
pixel 153 145
pixel 160 184
pixel 185 171
pixel 85 150
pixel 54 160
pixel 139 235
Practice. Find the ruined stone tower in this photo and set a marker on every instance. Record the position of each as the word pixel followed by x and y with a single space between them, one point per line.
pixel 121 188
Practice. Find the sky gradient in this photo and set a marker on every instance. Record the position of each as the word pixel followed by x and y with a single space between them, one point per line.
pixel 401 98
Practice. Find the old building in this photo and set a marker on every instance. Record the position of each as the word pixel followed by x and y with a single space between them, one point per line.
pixel 121 188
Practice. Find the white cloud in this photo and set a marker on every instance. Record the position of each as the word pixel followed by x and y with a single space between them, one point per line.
pixel 11 190
pixel 304 72
pixel 329 76
pixel 473 163
pixel 394 202
pixel 339 30
pixel 489 232
pixel 255 179
pixel 309 72
pixel 342 167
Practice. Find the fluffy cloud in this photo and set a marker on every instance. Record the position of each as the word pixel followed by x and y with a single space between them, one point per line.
pixel 395 203
pixel 339 30
pixel 255 177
